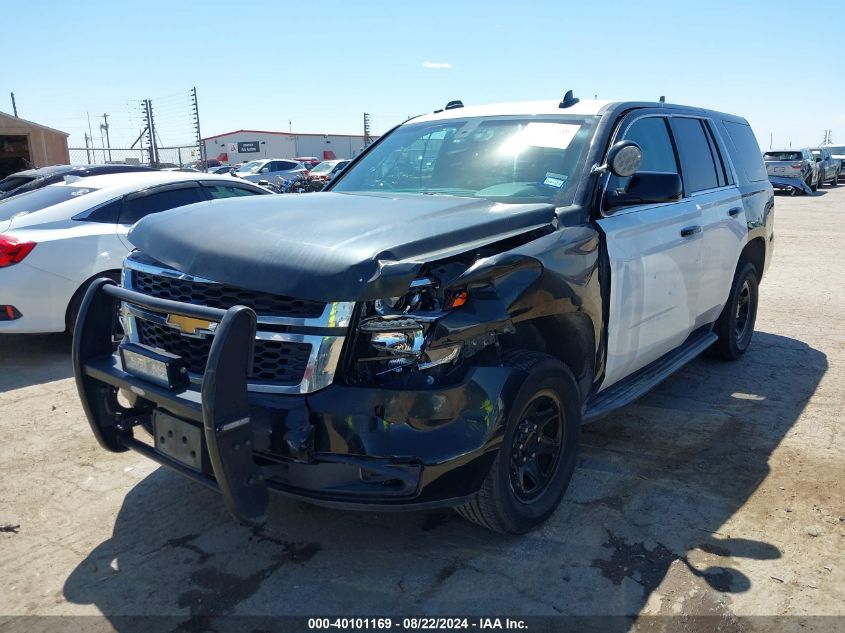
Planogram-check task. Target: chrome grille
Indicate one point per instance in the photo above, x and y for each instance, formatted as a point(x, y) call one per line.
point(282, 362)
point(222, 296)
point(290, 358)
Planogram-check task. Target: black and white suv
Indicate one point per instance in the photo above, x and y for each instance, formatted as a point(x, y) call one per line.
point(434, 329)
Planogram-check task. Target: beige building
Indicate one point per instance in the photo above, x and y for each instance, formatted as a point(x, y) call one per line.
point(25, 145)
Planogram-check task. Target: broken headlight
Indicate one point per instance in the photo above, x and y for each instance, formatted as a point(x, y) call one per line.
point(394, 334)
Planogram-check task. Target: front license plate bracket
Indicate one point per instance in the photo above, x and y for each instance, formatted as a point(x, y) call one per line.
point(179, 440)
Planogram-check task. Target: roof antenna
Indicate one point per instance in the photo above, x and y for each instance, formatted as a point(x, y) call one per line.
point(454, 104)
point(662, 100)
point(568, 100)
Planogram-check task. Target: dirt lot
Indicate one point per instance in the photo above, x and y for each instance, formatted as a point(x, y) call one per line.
point(720, 493)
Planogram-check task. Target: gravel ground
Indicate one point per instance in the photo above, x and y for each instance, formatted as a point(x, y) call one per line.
point(720, 493)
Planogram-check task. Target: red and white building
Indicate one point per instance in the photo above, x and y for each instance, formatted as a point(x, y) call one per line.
point(245, 145)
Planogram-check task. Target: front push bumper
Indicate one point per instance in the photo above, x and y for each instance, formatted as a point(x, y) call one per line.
point(364, 448)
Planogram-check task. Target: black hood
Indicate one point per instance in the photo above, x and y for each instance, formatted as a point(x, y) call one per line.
point(327, 246)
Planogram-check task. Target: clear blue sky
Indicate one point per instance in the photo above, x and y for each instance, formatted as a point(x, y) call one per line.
point(321, 65)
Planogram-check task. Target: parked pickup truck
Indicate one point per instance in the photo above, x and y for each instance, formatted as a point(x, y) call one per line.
point(793, 164)
point(435, 327)
point(829, 166)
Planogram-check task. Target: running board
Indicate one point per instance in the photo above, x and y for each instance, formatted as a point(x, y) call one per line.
point(639, 383)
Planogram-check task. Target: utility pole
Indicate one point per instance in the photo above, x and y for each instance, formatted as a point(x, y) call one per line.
point(14, 106)
point(104, 127)
point(197, 125)
point(367, 138)
point(87, 153)
point(827, 137)
point(91, 134)
point(148, 116)
point(771, 139)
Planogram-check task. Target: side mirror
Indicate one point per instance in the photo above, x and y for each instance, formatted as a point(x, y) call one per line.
point(624, 159)
point(647, 187)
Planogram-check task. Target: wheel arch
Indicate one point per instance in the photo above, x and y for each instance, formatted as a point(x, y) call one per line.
point(76, 298)
point(569, 337)
point(755, 253)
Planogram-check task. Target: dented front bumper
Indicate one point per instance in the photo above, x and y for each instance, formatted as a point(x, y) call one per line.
point(341, 446)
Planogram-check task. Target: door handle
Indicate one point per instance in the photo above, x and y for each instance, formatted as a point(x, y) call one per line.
point(690, 231)
point(734, 212)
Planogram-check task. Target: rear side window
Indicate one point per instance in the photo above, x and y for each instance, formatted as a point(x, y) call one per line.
point(137, 208)
point(698, 166)
point(746, 152)
point(108, 213)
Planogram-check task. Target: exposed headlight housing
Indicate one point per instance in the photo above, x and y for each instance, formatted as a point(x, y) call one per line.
point(394, 333)
point(399, 343)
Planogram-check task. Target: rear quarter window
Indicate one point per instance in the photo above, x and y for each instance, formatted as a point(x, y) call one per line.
point(745, 151)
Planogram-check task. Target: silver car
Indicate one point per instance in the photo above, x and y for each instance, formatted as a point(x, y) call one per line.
point(838, 153)
point(828, 165)
point(270, 169)
point(793, 163)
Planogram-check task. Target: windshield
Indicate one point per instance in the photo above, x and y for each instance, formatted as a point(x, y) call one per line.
point(506, 159)
point(836, 149)
point(324, 167)
point(251, 167)
point(782, 156)
point(39, 199)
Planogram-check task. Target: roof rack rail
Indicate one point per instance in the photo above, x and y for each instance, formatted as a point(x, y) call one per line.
point(568, 100)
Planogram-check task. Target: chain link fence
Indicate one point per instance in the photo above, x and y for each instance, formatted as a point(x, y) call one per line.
point(181, 156)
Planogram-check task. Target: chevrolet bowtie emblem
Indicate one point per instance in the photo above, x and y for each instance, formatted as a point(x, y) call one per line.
point(189, 325)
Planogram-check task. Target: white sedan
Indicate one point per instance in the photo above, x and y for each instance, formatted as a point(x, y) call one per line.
point(54, 241)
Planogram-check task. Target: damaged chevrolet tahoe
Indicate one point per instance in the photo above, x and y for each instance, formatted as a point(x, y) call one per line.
point(433, 328)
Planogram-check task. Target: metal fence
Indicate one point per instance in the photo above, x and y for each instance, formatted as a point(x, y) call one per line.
point(167, 156)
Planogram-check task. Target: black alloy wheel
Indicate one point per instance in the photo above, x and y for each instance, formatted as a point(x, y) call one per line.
point(735, 326)
point(539, 448)
point(742, 319)
point(535, 448)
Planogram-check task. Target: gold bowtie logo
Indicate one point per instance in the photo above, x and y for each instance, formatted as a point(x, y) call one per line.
point(189, 325)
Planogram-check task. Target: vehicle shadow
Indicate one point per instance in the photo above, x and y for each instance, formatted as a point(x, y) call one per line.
point(655, 483)
point(33, 359)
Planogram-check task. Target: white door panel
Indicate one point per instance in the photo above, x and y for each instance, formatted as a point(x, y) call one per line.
point(654, 284)
point(724, 236)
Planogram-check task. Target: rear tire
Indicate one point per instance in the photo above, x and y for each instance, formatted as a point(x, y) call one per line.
point(76, 301)
point(813, 186)
point(535, 463)
point(735, 325)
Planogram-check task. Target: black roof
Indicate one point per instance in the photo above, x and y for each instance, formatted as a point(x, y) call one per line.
point(79, 170)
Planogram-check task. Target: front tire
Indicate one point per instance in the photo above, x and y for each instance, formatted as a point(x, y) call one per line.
point(735, 325)
point(535, 463)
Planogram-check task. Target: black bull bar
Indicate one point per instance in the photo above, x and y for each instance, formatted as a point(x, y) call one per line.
point(221, 406)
